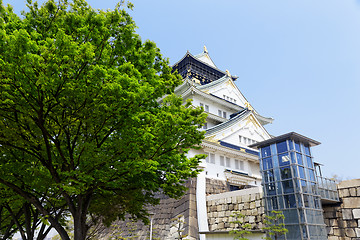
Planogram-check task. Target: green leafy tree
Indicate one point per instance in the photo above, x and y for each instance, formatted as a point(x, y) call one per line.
point(82, 127)
point(241, 228)
point(17, 215)
point(274, 225)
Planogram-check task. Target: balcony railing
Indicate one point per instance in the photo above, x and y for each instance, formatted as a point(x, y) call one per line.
point(327, 189)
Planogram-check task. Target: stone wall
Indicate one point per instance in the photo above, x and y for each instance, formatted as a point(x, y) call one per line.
point(166, 219)
point(343, 219)
point(249, 202)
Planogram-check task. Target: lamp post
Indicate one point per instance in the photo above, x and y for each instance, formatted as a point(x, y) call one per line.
point(151, 224)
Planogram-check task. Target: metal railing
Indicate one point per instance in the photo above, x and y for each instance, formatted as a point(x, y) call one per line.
point(327, 189)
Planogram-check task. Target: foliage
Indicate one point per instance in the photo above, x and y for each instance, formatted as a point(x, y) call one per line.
point(17, 215)
point(241, 228)
point(275, 226)
point(82, 130)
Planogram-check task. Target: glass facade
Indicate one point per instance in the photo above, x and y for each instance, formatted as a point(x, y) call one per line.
point(290, 186)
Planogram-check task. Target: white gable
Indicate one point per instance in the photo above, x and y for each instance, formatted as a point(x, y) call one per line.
point(242, 132)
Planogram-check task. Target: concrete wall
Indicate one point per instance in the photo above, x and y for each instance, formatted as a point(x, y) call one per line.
point(343, 219)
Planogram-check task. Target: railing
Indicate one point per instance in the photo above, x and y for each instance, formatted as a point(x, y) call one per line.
point(327, 189)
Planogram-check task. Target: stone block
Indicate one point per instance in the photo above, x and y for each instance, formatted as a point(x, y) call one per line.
point(347, 214)
point(357, 232)
point(241, 206)
point(352, 192)
point(220, 225)
point(349, 183)
point(258, 203)
point(336, 231)
point(252, 205)
point(246, 205)
point(350, 232)
point(218, 208)
point(333, 222)
point(252, 197)
point(356, 213)
point(251, 219)
point(351, 202)
point(344, 192)
point(351, 224)
point(358, 191)
point(333, 238)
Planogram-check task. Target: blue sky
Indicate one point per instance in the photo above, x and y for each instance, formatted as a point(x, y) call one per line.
point(297, 61)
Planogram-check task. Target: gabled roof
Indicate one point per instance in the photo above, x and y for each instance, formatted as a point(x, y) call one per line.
point(200, 66)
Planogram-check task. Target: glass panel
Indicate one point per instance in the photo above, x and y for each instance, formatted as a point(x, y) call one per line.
point(295, 173)
point(278, 188)
point(303, 186)
point(270, 188)
point(307, 201)
point(281, 147)
point(302, 215)
point(309, 162)
point(272, 203)
point(288, 186)
point(267, 163)
point(311, 174)
point(284, 159)
point(304, 231)
point(307, 150)
point(291, 144)
point(268, 176)
point(291, 216)
point(289, 201)
point(265, 152)
point(294, 232)
point(297, 146)
point(301, 172)
point(293, 159)
point(299, 159)
point(285, 173)
point(299, 200)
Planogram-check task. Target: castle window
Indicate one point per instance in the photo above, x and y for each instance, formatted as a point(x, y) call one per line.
point(207, 157)
point(228, 164)
point(206, 108)
point(219, 113)
point(222, 162)
point(212, 158)
point(224, 114)
point(205, 126)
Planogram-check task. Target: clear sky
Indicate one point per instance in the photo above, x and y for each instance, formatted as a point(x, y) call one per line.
point(297, 61)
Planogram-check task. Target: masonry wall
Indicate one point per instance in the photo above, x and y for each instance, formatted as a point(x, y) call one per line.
point(343, 219)
point(220, 207)
point(168, 217)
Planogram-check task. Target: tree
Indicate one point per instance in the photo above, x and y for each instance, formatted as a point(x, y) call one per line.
point(241, 228)
point(274, 225)
point(83, 129)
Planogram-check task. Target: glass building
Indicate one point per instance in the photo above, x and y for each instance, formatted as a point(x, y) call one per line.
point(290, 184)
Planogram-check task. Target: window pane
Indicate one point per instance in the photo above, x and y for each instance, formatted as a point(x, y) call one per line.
point(297, 146)
point(265, 152)
point(228, 162)
point(242, 165)
point(299, 159)
point(222, 163)
point(219, 113)
point(311, 175)
point(288, 186)
point(307, 150)
point(270, 188)
point(291, 144)
point(267, 163)
point(268, 176)
point(281, 147)
point(237, 164)
point(206, 108)
point(285, 173)
point(304, 186)
point(212, 158)
point(284, 159)
point(309, 162)
point(289, 201)
point(207, 157)
point(224, 114)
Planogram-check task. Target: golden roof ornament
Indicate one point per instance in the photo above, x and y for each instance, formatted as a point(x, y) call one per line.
point(205, 49)
point(248, 106)
point(228, 73)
